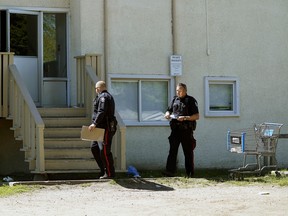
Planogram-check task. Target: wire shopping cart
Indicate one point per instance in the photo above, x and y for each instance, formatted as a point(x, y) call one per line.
point(260, 142)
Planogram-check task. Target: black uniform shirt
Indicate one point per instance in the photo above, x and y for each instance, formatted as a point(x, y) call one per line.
point(104, 109)
point(186, 106)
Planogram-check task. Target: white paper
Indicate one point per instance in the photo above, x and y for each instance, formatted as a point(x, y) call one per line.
point(173, 116)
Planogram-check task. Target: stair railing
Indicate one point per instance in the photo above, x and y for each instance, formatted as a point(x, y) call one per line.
point(6, 58)
point(86, 79)
point(27, 122)
point(92, 60)
point(119, 140)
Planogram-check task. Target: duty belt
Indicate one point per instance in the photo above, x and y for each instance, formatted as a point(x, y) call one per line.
point(183, 125)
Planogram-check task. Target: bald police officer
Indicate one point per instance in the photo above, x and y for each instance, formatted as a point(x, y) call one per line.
point(103, 117)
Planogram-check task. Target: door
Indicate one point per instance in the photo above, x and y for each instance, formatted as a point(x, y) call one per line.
point(55, 82)
point(23, 39)
point(39, 41)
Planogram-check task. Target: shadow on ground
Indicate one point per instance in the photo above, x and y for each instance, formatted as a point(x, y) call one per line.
point(142, 184)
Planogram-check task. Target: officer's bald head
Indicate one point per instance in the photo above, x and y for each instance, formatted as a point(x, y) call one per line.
point(100, 84)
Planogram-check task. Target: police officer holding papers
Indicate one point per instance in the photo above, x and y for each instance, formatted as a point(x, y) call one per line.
point(103, 117)
point(183, 113)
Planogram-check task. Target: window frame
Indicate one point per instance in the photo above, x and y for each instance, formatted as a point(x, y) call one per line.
point(132, 77)
point(221, 80)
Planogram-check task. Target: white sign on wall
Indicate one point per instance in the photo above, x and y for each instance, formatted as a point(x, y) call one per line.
point(176, 65)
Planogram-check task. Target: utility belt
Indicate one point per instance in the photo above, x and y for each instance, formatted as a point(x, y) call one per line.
point(112, 124)
point(185, 125)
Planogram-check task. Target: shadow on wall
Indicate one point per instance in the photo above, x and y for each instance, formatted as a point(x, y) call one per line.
point(11, 158)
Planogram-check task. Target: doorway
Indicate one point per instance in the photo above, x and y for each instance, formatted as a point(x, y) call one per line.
point(55, 82)
point(23, 40)
point(39, 41)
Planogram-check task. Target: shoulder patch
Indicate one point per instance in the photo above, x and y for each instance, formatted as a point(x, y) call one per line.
point(102, 99)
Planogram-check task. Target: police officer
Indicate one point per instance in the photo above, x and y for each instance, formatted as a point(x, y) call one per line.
point(103, 117)
point(183, 112)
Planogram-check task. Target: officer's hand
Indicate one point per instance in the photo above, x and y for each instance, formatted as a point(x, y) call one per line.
point(181, 118)
point(91, 127)
point(167, 115)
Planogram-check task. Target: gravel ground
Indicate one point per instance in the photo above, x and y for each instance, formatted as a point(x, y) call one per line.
point(148, 197)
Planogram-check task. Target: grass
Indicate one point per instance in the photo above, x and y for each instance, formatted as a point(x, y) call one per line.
point(205, 177)
point(6, 190)
point(214, 176)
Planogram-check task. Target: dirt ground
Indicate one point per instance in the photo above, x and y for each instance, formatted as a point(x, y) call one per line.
point(148, 197)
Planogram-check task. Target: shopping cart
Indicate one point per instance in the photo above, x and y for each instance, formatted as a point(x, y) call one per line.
point(259, 142)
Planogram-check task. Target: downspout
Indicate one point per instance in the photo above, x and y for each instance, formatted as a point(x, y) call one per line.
point(174, 47)
point(207, 29)
point(174, 33)
point(105, 21)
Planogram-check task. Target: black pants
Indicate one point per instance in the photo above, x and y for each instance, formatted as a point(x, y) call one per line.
point(103, 155)
point(186, 138)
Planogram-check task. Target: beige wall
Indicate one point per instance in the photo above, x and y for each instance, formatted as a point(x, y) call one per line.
point(246, 38)
point(86, 33)
point(139, 36)
point(36, 3)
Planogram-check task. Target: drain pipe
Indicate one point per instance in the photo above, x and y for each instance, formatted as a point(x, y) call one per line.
point(174, 33)
point(207, 29)
point(105, 23)
point(173, 30)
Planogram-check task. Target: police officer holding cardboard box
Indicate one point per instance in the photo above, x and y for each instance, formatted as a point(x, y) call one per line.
point(183, 113)
point(103, 117)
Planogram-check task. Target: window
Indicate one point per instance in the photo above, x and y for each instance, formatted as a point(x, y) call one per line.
point(141, 101)
point(22, 36)
point(54, 45)
point(221, 96)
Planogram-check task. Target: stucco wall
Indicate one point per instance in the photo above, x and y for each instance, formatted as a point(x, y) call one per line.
point(247, 39)
point(149, 152)
point(36, 3)
point(139, 36)
point(86, 34)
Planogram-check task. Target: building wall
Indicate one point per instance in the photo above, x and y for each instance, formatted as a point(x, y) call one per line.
point(139, 36)
point(246, 39)
point(86, 34)
point(36, 3)
point(147, 147)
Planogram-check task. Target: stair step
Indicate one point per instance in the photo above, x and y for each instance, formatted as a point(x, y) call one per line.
point(66, 142)
point(62, 112)
point(68, 153)
point(94, 172)
point(64, 150)
point(70, 164)
point(62, 132)
point(65, 122)
point(73, 171)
